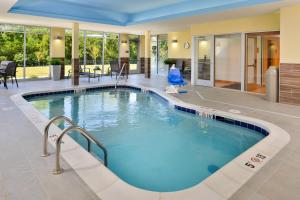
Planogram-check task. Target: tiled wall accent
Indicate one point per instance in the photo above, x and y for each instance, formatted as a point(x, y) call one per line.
point(125, 60)
point(62, 72)
point(289, 83)
point(146, 66)
point(142, 65)
point(75, 76)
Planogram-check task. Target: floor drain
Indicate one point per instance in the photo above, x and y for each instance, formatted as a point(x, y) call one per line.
point(234, 111)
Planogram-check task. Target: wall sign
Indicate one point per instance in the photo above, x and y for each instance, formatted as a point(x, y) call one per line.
point(186, 45)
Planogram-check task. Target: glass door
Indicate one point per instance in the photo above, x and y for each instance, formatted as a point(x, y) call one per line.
point(159, 52)
point(262, 51)
point(204, 60)
point(251, 63)
point(134, 54)
point(162, 47)
point(154, 53)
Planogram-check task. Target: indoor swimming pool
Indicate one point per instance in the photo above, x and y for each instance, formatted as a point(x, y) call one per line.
point(151, 144)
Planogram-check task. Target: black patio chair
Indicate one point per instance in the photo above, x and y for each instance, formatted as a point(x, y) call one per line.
point(84, 71)
point(114, 68)
point(8, 70)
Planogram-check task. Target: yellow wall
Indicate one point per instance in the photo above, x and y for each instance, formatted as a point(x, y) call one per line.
point(75, 41)
point(147, 44)
point(177, 50)
point(124, 47)
point(269, 22)
point(57, 47)
point(290, 35)
point(142, 46)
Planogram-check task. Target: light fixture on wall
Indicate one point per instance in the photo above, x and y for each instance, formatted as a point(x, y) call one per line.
point(174, 41)
point(57, 37)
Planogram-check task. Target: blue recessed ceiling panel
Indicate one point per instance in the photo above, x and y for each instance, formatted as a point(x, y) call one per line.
point(126, 12)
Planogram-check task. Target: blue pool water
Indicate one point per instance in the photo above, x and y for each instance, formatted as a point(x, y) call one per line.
point(150, 144)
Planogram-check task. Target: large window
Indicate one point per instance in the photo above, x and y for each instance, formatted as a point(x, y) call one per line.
point(68, 47)
point(162, 54)
point(111, 49)
point(134, 41)
point(28, 46)
point(68, 50)
point(96, 49)
point(159, 47)
point(154, 54)
point(37, 52)
point(12, 46)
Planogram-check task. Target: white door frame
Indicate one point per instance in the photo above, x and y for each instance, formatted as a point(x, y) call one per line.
point(243, 60)
point(193, 60)
point(194, 74)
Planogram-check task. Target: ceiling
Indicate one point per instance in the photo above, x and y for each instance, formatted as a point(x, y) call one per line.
point(126, 12)
point(132, 16)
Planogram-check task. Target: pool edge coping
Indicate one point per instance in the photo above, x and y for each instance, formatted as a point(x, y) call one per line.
point(220, 185)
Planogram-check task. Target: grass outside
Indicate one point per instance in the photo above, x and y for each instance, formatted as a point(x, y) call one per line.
point(44, 71)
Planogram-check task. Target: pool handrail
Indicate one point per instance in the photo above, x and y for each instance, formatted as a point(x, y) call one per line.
point(83, 132)
point(120, 73)
point(46, 131)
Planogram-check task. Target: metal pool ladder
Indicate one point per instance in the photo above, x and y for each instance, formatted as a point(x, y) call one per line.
point(120, 73)
point(72, 127)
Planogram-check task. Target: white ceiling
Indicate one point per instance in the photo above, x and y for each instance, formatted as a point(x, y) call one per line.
point(163, 26)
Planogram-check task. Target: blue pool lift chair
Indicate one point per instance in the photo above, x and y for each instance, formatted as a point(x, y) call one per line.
point(175, 77)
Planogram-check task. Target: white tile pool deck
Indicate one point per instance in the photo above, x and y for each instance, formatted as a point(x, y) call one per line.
point(279, 179)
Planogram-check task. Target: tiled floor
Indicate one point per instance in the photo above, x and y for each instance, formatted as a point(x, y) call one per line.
point(24, 175)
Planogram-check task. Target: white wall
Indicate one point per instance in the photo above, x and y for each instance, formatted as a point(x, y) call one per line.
point(228, 58)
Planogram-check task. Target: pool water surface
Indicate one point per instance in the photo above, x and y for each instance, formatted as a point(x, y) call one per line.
point(150, 144)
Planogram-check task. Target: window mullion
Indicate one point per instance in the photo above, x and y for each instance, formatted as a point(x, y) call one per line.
point(24, 54)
